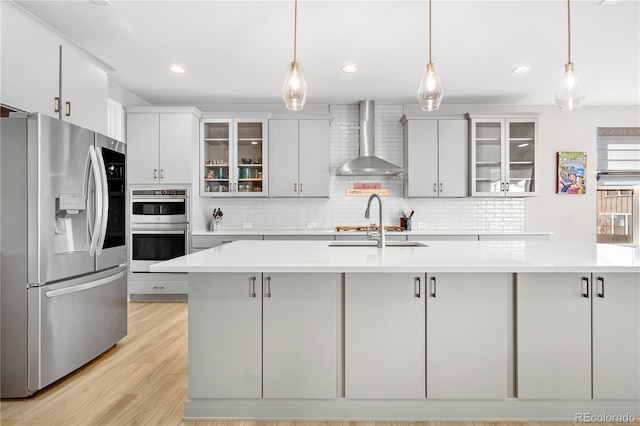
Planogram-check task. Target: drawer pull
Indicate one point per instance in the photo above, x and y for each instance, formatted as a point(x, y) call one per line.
point(158, 287)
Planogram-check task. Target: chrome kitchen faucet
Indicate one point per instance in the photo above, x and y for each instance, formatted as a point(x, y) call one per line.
point(379, 236)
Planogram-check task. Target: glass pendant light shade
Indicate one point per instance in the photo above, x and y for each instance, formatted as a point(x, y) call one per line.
point(570, 92)
point(294, 90)
point(430, 91)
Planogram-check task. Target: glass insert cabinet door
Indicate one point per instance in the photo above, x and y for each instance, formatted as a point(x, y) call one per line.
point(521, 157)
point(233, 158)
point(503, 156)
point(487, 165)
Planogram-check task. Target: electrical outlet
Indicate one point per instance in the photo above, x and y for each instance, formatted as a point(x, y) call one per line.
point(422, 225)
point(246, 225)
point(311, 225)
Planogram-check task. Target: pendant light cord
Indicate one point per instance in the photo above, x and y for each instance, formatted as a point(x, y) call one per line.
point(568, 30)
point(429, 31)
point(295, 29)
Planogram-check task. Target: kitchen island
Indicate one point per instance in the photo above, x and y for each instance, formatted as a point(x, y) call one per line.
point(448, 330)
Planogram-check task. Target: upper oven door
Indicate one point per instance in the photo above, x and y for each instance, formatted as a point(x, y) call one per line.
point(159, 210)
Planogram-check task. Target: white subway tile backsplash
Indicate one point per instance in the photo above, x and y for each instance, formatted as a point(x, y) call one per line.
point(438, 214)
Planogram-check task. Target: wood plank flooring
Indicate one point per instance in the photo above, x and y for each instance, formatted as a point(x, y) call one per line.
point(143, 381)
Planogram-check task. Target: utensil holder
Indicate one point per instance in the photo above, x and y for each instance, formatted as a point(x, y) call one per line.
point(405, 223)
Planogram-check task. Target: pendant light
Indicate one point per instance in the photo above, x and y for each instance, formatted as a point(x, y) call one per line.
point(570, 93)
point(430, 92)
point(294, 90)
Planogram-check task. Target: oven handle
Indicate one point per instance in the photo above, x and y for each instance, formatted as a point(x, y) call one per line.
point(159, 199)
point(158, 231)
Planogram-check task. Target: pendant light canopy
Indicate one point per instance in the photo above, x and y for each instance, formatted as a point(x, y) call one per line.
point(430, 92)
point(294, 90)
point(570, 93)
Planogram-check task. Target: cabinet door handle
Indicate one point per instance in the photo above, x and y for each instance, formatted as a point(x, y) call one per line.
point(585, 281)
point(68, 113)
point(300, 186)
point(433, 287)
point(155, 174)
point(267, 292)
point(501, 186)
point(161, 173)
point(601, 281)
point(57, 106)
point(252, 291)
point(435, 187)
point(507, 186)
point(417, 282)
point(295, 187)
point(441, 187)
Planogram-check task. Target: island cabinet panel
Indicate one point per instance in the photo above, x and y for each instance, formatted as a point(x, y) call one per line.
point(579, 336)
point(384, 335)
point(616, 336)
point(300, 314)
point(554, 336)
point(225, 335)
point(467, 318)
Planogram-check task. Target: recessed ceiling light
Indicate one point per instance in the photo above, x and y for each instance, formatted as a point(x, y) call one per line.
point(349, 68)
point(177, 69)
point(521, 69)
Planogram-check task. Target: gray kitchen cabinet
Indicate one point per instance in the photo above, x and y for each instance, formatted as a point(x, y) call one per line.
point(300, 314)
point(467, 335)
point(384, 326)
point(159, 147)
point(299, 158)
point(362, 236)
point(435, 157)
point(263, 335)
point(578, 336)
point(42, 72)
point(616, 336)
point(503, 155)
point(233, 157)
point(202, 242)
point(225, 335)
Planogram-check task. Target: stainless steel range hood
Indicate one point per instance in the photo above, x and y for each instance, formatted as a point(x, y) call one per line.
point(367, 163)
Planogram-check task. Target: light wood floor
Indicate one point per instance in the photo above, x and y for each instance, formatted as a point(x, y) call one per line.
point(141, 381)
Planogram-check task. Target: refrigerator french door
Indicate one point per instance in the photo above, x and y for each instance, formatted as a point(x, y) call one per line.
point(63, 262)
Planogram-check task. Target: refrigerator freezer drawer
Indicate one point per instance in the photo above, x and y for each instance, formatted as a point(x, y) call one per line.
point(76, 323)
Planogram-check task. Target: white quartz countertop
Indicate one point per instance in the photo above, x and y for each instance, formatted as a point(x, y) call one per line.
point(310, 232)
point(439, 256)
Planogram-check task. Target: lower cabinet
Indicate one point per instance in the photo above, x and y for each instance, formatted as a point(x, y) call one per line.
point(384, 336)
point(300, 323)
point(578, 336)
point(263, 335)
point(467, 336)
point(225, 335)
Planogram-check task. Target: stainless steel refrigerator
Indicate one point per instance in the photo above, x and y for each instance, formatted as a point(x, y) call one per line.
point(63, 255)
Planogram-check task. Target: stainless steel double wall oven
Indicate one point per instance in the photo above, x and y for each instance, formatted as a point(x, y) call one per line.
point(159, 226)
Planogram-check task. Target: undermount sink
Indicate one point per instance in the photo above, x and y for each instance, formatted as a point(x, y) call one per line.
point(374, 243)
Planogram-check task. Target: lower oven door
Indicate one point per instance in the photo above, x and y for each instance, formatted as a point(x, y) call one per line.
point(151, 246)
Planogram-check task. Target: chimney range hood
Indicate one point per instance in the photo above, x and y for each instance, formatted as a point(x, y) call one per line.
point(367, 164)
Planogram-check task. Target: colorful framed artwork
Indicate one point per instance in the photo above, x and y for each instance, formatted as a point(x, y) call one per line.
point(572, 177)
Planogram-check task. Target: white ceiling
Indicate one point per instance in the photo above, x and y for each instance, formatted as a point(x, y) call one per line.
point(237, 52)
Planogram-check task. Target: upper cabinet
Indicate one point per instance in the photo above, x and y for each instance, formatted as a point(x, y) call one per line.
point(436, 156)
point(41, 72)
point(159, 144)
point(233, 157)
point(299, 158)
point(503, 155)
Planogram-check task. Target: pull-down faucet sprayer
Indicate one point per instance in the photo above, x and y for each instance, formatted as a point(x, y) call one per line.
point(381, 239)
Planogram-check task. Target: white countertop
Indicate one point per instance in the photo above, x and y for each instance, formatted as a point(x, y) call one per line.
point(235, 232)
point(439, 256)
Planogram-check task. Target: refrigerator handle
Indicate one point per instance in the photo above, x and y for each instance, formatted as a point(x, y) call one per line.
point(105, 202)
point(98, 218)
